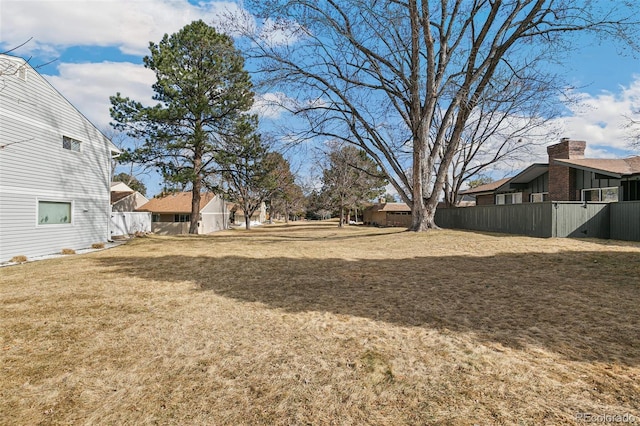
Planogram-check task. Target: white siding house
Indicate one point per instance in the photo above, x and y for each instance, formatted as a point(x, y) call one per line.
point(125, 199)
point(54, 168)
point(171, 213)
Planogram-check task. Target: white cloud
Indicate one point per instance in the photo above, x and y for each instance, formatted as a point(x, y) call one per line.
point(271, 105)
point(88, 86)
point(127, 24)
point(280, 32)
point(602, 120)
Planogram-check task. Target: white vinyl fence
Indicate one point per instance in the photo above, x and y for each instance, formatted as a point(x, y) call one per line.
point(128, 223)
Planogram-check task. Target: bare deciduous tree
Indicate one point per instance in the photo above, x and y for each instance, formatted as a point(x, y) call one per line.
point(12, 68)
point(506, 128)
point(288, 198)
point(350, 178)
point(402, 79)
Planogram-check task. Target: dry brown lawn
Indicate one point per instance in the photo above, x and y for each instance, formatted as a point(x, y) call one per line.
point(310, 324)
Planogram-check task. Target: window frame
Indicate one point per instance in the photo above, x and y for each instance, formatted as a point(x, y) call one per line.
point(600, 192)
point(181, 217)
point(545, 197)
point(511, 195)
point(71, 204)
point(74, 144)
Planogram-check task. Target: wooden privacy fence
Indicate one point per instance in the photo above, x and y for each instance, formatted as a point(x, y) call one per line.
point(619, 221)
point(625, 221)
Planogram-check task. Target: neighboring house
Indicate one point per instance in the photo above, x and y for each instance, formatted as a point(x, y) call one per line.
point(171, 213)
point(125, 199)
point(484, 194)
point(125, 220)
point(120, 187)
point(54, 168)
point(466, 201)
point(387, 214)
point(236, 215)
point(568, 176)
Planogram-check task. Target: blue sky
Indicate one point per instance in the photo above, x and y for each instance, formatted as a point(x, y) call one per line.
point(97, 47)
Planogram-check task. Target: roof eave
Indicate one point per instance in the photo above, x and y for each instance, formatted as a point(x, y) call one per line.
point(592, 169)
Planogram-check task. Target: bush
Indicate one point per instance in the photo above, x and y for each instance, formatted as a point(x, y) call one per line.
point(68, 251)
point(19, 259)
point(97, 245)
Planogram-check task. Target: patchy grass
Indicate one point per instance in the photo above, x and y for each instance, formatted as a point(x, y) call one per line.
point(311, 324)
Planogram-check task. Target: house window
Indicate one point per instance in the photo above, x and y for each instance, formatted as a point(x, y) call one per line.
point(538, 197)
point(631, 190)
point(511, 198)
point(155, 217)
point(607, 195)
point(182, 218)
point(54, 212)
point(70, 144)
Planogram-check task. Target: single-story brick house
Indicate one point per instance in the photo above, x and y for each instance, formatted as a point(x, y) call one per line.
point(568, 176)
point(387, 214)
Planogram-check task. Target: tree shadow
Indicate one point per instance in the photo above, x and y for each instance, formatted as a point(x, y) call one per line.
point(564, 302)
point(296, 233)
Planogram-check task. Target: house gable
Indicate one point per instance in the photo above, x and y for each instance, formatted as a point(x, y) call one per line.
point(127, 201)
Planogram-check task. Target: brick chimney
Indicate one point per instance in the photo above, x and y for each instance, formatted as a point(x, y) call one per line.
point(562, 179)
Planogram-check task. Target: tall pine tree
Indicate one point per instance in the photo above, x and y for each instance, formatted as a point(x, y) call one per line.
point(202, 89)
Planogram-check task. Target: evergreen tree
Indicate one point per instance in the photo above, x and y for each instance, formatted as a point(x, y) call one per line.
point(132, 182)
point(350, 179)
point(202, 89)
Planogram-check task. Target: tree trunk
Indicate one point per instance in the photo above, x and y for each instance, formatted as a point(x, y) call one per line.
point(286, 213)
point(341, 217)
point(197, 187)
point(423, 219)
point(247, 222)
point(195, 207)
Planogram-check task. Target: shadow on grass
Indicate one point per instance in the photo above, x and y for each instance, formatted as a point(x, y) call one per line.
point(582, 305)
point(279, 233)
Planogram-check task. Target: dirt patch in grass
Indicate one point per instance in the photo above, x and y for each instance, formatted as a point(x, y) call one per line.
point(311, 324)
